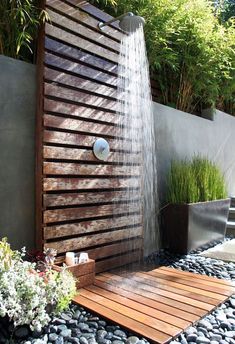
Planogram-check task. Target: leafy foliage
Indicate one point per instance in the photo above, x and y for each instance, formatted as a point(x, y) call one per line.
point(191, 53)
point(196, 180)
point(19, 23)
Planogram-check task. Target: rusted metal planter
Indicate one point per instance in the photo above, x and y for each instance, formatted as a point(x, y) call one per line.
point(189, 226)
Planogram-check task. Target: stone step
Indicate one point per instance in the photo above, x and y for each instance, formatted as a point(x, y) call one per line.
point(230, 229)
point(232, 201)
point(231, 213)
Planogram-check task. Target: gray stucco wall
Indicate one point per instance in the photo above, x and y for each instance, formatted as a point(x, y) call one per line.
point(181, 135)
point(17, 137)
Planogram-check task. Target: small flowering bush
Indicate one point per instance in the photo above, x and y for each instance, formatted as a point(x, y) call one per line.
point(28, 296)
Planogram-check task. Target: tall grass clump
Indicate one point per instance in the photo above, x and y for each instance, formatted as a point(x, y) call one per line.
point(195, 180)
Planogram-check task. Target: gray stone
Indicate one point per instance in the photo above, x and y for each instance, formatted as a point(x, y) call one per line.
point(206, 324)
point(22, 332)
point(230, 334)
point(120, 333)
point(83, 340)
point(61, 328)
point(202, 340)
point(74, 340)
point(103, 341)
point(102, 323)
point(59, 340)
point(192, 337)
point(58, 321)
point(53, 337)
point(118, 342)
point(101, 334)
point(93, 324)
point(92, 341)
point(132, 340)
point(191, 330)
point(66, 333)
point(77, 314)
point(215, 337)
point(88, 335)
point(65, 316)
point(83, 327)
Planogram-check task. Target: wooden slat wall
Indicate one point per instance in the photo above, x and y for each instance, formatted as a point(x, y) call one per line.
point(81, 202)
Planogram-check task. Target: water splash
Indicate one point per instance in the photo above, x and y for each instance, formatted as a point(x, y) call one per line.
point(137, 127)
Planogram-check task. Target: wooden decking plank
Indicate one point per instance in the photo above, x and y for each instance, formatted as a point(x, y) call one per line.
point(197, 276)
point(131, 313)
point(200, 282)
point(185, 297)
point(141, 307)
point(135, 326)
point(191, 310)
point(200, 294)
point(193, 284)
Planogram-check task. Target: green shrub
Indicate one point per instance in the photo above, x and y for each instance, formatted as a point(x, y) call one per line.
point(196, 180)
point(191, 52)
point(19, 23)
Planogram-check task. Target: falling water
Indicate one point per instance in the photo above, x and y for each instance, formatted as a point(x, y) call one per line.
point(137, 127)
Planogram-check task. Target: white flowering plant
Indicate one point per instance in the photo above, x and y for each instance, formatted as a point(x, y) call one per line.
point(28, 296)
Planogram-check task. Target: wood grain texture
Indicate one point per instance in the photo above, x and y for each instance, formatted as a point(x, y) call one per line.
point(122, 296)
point(83, 201)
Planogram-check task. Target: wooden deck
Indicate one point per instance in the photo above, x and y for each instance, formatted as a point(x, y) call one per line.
point(157, 304)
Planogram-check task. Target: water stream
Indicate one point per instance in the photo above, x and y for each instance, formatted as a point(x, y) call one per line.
point(137, 127)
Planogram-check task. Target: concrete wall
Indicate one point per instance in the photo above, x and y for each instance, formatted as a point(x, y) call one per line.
point(17, 137)
point(181, 135)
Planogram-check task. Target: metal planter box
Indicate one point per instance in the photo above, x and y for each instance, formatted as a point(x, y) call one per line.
point(189, 226)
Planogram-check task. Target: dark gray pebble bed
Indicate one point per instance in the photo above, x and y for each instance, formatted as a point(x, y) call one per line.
point(77, 325)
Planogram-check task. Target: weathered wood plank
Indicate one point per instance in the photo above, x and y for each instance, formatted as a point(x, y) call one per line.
point(80, 43)
point(91, 226)
point(80, 83)
point(73, 24)
point(200, 277)
point(79, 56)
point(68, 214)
point(85, 112)
point(78, 125)
point(165, 300)
point(78, 96)
point(56, 184)
point(58, 168)
point(156, 336)
point(140, 307)
point(61, 153)
point(81, 70)
point(83, 242)
point(79, 14)
point(168, 310)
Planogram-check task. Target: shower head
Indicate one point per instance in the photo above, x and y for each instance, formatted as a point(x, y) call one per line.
point(128, 22)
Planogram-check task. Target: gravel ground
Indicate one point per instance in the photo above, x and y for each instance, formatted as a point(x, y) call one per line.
point(79, 326)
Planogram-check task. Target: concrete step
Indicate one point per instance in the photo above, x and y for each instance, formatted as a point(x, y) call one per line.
point(232, 202)
point(231, 214)
point(230, 229)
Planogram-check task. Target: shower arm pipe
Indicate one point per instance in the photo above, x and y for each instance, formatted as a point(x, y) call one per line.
point(101, 25)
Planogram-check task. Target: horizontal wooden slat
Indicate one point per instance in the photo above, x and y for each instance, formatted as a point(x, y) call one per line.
point(60, 107)
point(57, 215)
point(86, 18)
point(81, 97)
point(78, 82)
point(79, 56)
point(123, 320)
point(133, 288)
point(56, 184)
point(145, 319)
point(94, 36)
point(200, 277)
point(204, 296)
point(80, 43)
point(79, 69)
point(192, 283)
point(89, 226)
point(179, 314)
point(76, 154)
point(80, 126)
point(167, 291)
point(87, 241)
point(114, 249)
point(140, 307)
point(58, 168)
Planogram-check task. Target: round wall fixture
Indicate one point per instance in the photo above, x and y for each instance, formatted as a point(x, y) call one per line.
point(101, 149)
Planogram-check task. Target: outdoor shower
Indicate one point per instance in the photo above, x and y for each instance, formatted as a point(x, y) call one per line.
point(128, 22)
